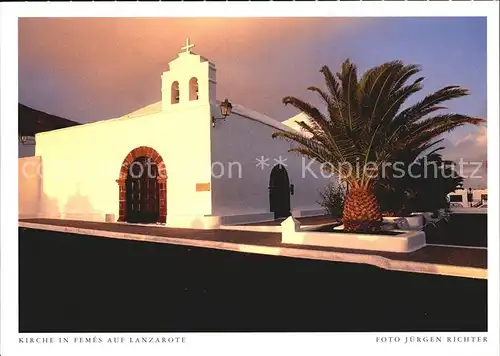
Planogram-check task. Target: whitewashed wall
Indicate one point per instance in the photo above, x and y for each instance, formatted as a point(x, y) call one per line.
point(240, 140)
point(81, 164)
point(30, 187)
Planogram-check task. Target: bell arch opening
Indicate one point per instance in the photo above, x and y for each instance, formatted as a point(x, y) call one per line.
point(193, 89)
point(175, 93)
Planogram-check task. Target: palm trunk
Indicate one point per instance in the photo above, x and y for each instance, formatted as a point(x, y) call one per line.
point(361, 210)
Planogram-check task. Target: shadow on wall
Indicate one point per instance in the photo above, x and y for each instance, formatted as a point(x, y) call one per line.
point(197, 224)
point(43, 206)
point(49, 207)
point(78, 207)
point(35, 203)
point(77, 204)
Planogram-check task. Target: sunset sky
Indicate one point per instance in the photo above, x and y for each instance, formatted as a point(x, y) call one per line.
point(94, 69)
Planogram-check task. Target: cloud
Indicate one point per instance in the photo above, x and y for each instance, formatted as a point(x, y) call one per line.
point(471, 149)
point(472, 146)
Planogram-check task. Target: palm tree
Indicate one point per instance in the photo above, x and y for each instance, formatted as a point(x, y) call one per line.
point(364, 125)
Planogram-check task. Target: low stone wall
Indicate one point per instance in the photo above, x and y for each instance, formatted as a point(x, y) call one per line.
point(407, 241)
point(311, 212)
point(469, 210)
point(246, 218)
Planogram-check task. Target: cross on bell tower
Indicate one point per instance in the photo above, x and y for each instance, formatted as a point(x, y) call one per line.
point(190, 81)
point(187, 47)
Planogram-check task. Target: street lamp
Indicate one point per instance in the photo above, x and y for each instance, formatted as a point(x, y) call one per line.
point(225, 110)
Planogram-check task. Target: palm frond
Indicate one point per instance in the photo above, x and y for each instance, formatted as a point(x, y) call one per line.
point(363, 119)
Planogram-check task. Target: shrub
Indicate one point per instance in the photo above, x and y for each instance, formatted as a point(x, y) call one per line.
point(427, 190)
point(332, 199)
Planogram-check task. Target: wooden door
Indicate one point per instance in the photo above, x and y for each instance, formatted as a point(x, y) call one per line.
point(279, 192)
point(142, 192)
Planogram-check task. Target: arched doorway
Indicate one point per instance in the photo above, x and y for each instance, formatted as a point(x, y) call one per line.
point(279, 192)
point(142, 187)
point(142, 191)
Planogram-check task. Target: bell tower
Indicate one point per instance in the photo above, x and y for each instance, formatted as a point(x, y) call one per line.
point(190, 81)
point(188, 89)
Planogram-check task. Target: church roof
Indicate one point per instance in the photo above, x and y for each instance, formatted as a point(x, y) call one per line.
point(292, 122)
point(146, 110)
point(257, 116)
point(240, 110)
point(156, 107)
point(32, 121)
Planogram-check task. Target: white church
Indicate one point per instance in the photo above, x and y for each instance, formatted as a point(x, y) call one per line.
point(187, 160)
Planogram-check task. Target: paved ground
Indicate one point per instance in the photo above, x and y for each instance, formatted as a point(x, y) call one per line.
point(73, 282)
point(440, 255)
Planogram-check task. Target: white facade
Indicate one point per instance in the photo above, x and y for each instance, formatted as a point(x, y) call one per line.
point(459, 197)
point(243, 189)
point(211, 173)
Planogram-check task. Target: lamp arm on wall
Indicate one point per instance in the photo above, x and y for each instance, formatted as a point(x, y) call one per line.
point(225, 108)
point(214, 120)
